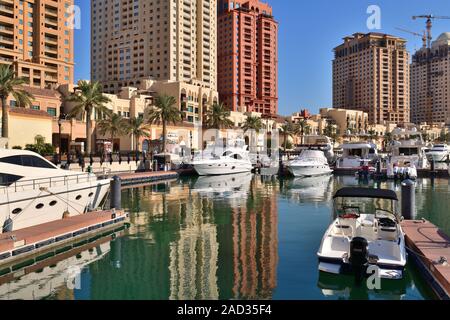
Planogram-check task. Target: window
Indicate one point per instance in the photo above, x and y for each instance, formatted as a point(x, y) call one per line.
point(8, 179)
point(27, 161)
point(51, 111)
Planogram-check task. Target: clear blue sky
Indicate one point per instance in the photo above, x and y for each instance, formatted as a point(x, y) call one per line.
point(309, 30)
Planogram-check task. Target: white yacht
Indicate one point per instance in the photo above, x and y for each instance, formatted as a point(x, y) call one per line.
point(322, 143)
point(438, 153)
point(357, 154)
point(366, 232)
point(407, 154)
point(34, 191)
point(231, 160)
point(310, 163)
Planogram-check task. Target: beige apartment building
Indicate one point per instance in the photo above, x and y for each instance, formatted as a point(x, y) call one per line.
point(169, 40)
point(161, 46)
point(430, 76)
point(371, 74)
point(36, 37)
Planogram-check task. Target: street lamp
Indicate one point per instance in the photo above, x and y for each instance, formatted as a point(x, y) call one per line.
point(60, 122)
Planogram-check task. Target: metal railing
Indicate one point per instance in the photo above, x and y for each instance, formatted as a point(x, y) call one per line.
point(34, 184)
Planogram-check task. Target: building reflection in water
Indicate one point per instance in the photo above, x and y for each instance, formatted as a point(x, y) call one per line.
point(223, 231)
point(255, 243)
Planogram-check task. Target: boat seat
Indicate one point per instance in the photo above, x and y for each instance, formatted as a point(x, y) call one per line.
point(389, 234)
point(345, 227)
point(367, 220)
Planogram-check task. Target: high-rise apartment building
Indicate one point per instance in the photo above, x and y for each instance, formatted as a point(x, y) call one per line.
point(165, 40)
point(248, 56)
point(430, 78)
point(371, 74)
point(36, 37)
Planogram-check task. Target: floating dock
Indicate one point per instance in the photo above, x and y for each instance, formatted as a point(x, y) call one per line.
point(430, 249)
point(139, 178)
point(421, 173)
point(23, 243)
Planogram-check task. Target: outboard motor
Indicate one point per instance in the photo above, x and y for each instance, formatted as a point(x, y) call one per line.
point(359, 256)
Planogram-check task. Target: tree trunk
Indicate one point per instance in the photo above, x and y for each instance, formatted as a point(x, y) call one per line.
point(88, 132)
point(164, 136)
point(4, 118)
point(112, 142)
point(285, 142)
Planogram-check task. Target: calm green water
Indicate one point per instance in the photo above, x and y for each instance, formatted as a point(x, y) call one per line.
point(237, 237)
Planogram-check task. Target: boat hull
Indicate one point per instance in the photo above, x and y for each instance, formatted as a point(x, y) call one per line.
point(36, 206)
point(384, 272)
point(309, 171)
point(437, 156)
point(223, 168)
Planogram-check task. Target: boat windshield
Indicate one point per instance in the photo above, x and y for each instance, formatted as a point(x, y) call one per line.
point(381, 208)
point(408, 151)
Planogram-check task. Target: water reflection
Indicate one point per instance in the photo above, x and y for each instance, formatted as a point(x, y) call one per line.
point(313, 189)
point(228, 237)
point(65, 269)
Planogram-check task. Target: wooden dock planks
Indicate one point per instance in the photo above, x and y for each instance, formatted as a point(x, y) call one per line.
point(430, 244)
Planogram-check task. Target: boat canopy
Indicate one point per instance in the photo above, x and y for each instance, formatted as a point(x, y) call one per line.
point(366, 193)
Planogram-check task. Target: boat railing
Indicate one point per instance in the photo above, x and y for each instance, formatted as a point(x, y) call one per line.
point(35, 184)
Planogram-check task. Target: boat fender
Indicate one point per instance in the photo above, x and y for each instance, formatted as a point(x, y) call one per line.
point(66, 215)
point(7, 226)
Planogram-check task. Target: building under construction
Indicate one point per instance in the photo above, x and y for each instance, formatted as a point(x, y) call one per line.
point(430, 76)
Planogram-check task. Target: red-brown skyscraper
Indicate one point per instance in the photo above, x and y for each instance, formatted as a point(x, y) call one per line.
point(247, 56)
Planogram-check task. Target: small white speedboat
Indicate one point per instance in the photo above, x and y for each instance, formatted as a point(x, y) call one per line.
point(310, 163)
point(366, 232)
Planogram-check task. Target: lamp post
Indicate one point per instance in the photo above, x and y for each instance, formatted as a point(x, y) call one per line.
point(60, 122)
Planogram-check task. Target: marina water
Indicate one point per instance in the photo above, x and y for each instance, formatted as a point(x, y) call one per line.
point(230, 237)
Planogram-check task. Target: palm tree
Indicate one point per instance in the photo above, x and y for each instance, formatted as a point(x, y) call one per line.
point(138, 128)
point(329, 130)
point(115, 126)
point(289, 129)
point(88, 97)
point(387, 139)
point(254, 124)
point(372, 134)
point(304, 128)
point(163, 112)
point(218, 117)
point(10, 84)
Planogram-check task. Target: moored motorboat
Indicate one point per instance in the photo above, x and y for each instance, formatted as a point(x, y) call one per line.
point(438, 153)
point(407, 154)
point(365, 233)
point(34, 191)
point(231, 161)
point(310, 163)
point(357, 154)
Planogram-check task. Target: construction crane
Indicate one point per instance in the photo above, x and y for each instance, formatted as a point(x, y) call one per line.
point(430, 93)
point(429, 24)
point(423, 36)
